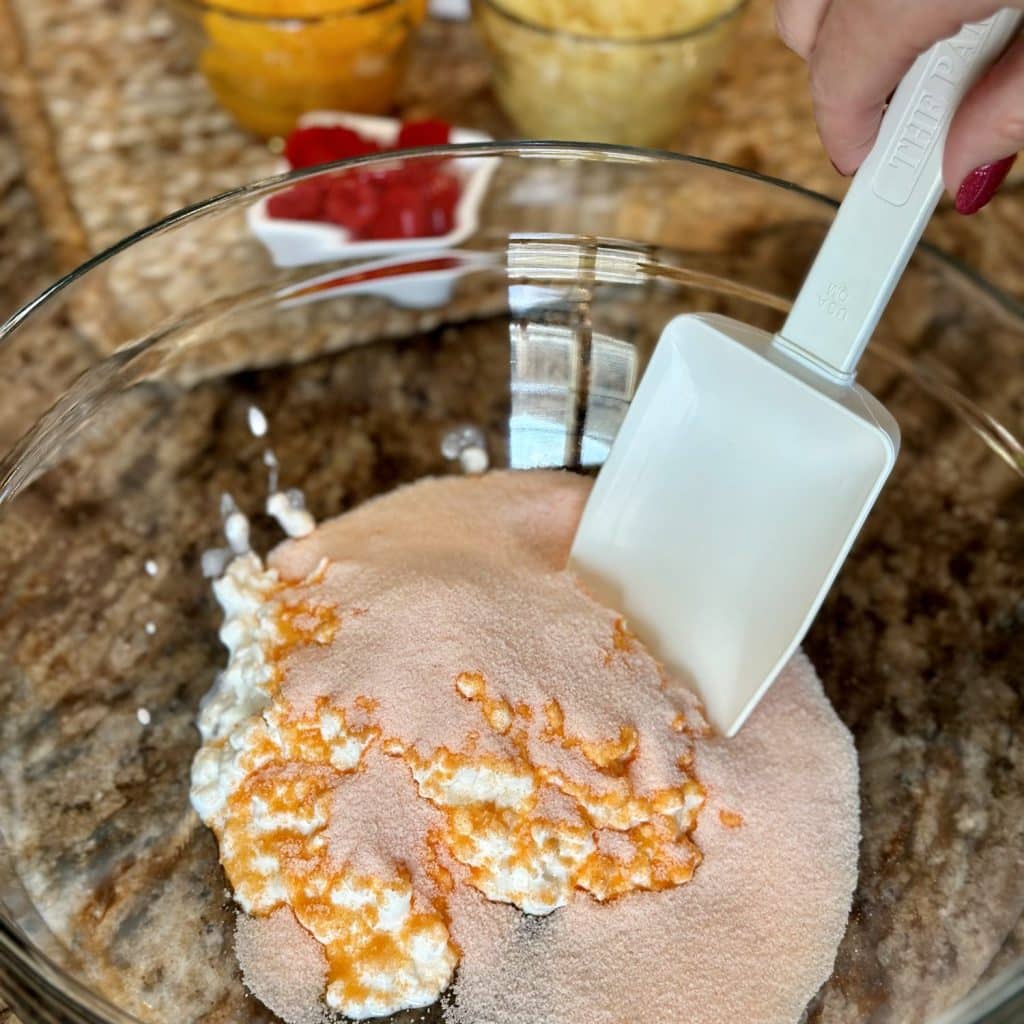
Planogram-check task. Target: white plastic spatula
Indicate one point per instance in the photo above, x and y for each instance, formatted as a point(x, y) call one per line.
point(747, 463)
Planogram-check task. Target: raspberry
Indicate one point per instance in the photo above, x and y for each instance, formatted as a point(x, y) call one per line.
point(423, 133)
point(353, 202)
point(322, 144)
point(403, 214)
point(442, 192)
point(304, 201)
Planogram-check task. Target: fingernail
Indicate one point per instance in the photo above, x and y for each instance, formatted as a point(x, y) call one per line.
point(982, 184)
point(835, 167)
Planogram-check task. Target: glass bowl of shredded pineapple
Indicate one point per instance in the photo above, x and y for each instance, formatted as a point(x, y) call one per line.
point(603, 70)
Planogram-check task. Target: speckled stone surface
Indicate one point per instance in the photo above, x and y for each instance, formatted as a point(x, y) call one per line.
point(921, 643)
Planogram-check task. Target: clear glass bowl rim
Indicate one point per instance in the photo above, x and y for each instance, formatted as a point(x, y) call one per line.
point(539, 149)
point(34, 969)
point(200, 8)
point(612, 41)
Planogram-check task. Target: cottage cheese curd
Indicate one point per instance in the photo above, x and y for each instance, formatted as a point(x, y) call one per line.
point(506, 781)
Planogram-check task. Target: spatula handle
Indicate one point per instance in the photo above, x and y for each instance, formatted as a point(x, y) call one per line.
point(888, 204)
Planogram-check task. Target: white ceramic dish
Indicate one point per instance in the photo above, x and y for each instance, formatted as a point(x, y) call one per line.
point(297, 243)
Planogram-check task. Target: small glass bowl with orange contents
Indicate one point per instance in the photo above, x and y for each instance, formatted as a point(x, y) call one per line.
point(270, 61)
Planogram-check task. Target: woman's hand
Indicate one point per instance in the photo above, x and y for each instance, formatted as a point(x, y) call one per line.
point(858, 50)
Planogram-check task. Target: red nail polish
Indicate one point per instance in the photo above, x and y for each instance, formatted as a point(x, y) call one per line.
point(982, 184)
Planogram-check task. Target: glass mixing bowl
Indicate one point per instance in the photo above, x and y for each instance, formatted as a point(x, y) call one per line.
point(522, 332)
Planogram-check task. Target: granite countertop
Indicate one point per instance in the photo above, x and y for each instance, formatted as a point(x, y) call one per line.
point(75, 177)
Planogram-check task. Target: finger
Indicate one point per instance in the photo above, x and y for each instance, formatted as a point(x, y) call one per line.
point(990, 122)
point(863, 49)
point(798, 21)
